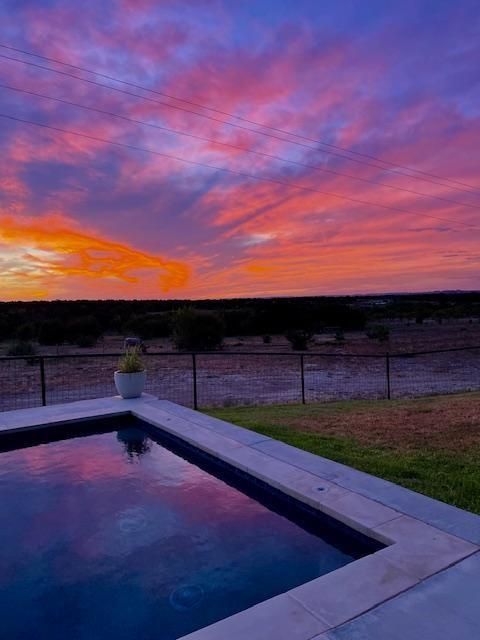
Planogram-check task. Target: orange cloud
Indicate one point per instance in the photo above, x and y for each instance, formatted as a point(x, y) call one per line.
point(300, 243)
point(42, 256)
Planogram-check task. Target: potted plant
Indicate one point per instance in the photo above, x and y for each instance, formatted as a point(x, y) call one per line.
point(131, 374)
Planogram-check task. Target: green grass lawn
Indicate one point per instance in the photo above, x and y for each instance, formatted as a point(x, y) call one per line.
point(430, 445)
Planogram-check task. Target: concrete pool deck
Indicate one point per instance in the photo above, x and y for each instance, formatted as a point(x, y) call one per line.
point(424, 585)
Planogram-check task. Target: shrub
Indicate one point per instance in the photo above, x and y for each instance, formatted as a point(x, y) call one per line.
point(195, 330)
point(131, 361)
point(299, 339)
point(378, 332)
point(339, 336)
point(22, 348)
point(84, 342)
point(267, 339)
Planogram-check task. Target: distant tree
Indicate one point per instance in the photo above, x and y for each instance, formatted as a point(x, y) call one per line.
point(299, 338)
point(51, 332)
point(25, 332)
point(240, 322)
point(83, 331)
point(155, 325)
point(343, 316)
point(8, 326)
point(195, 330)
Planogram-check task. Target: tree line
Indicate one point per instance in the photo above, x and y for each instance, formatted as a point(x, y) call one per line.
point(83, 322)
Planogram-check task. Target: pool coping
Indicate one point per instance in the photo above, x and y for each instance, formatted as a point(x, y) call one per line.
point(415, 551)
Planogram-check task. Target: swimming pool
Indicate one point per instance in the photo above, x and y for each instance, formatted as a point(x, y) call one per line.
point(118, 531)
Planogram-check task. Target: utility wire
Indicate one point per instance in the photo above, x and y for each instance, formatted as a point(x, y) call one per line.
point(231, 124)
point(232, 146)
point(232, 115)
point(231, 171)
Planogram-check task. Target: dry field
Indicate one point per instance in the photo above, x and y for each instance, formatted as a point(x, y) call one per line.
point(441, 423)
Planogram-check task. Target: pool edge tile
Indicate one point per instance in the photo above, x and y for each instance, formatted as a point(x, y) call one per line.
point(279, 618)
point(363, 584)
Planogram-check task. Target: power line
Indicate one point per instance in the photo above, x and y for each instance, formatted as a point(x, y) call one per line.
point(232, 171)
point(232, 146)
point(231, 124)
point(241, 118)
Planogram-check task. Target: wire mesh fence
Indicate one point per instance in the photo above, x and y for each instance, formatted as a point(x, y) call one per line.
point(350, 377)
point(248, 378)
point(435, 372)
point(72, 378)
point(242, 378)
point(170, 376)
point(20, 383)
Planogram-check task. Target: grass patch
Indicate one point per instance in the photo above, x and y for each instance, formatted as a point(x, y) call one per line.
point(430, 445)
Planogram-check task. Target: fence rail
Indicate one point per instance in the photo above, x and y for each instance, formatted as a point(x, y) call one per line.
point(227, 378)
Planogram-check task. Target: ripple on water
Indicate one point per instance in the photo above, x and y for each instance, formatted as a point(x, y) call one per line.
point(186, 597)
point(132, 520)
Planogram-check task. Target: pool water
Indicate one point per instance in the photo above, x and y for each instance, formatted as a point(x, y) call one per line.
point(112, 535)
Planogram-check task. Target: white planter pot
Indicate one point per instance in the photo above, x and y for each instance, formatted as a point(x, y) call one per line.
point(130, 385)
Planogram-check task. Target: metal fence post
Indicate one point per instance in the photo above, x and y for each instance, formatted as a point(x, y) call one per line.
point(194, 372)
point(302, 373)
point(387, 363)
point(42, 381)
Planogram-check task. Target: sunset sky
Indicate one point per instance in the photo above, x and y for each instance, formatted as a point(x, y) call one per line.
point(378, 93)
